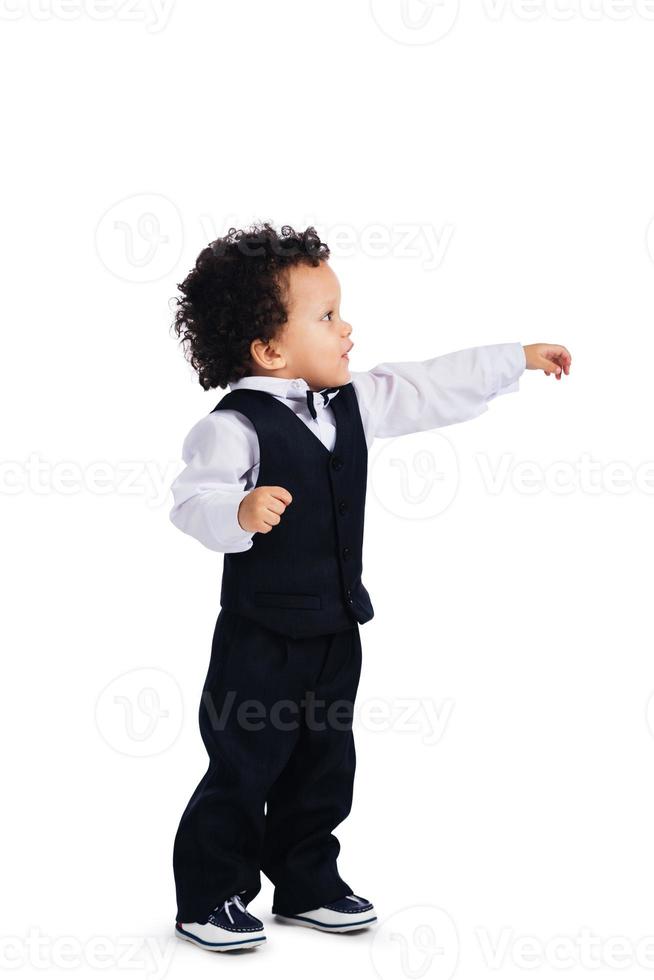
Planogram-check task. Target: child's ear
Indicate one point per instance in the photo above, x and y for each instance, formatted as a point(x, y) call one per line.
point(263, 354)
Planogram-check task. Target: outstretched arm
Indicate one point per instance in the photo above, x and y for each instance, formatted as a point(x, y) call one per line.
point(396, 398)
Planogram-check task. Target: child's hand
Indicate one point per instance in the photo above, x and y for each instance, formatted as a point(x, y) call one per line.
point(552, 358)
point(262, 507)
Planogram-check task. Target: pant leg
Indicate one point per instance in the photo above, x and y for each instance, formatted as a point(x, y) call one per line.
point(313, 794)
point(218, 844)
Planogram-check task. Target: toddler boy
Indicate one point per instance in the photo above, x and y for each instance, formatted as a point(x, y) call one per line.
point(275, 479)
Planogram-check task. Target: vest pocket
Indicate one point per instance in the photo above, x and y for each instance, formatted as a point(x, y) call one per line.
point(284, 600)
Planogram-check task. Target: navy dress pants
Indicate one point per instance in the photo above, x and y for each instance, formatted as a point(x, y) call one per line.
point(276, 720)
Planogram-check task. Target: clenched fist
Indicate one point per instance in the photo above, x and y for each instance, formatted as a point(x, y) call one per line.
point(552, 358)
point(262, 508)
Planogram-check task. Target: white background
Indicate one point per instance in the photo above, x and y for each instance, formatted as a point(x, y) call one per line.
point(519, 138)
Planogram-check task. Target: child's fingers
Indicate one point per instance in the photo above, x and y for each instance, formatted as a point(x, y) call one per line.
point(275, 504)
point(281, 493)
point(551, 367)
point(560, 355)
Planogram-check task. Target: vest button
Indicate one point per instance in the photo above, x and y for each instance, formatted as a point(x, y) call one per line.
point(346, 552)
point(337, 463)
point(342, 507)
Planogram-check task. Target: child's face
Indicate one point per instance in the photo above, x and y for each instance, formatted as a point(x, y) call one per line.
point(314, 340)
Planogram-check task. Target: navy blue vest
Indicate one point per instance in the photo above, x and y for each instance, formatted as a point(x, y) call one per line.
point(303, 578)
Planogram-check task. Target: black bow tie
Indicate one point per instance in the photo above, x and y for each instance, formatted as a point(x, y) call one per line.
point(325, 392)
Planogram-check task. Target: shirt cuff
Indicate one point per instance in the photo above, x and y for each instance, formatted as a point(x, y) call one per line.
point(211, 518)
point(509, 369)
point(223, 516)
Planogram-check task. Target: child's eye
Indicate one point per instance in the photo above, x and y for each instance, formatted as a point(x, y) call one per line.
point(331, 313)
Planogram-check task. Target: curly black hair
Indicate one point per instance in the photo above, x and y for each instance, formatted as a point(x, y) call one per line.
point(235, 294)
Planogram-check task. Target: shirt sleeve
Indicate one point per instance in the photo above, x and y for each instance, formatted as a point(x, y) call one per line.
point(396, 398)
point(219, 453)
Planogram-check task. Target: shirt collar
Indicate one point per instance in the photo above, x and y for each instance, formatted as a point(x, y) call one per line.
point(291, 388)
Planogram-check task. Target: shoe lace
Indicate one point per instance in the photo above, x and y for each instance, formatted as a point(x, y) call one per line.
point(234, 900)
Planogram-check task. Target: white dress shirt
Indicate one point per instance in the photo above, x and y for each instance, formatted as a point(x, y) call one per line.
point(221, 451)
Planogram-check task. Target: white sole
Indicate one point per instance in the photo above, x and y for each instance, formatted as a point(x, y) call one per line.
point(300, 920)
point(223, 947)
